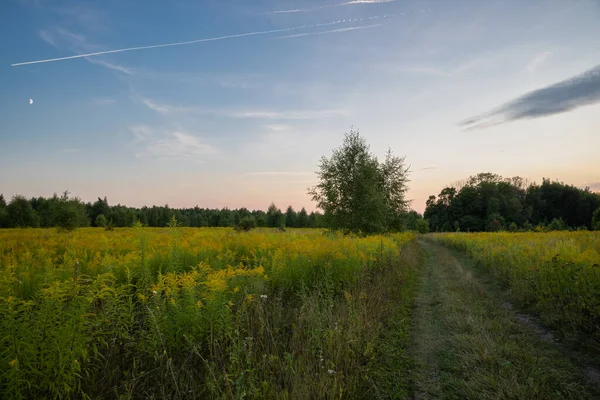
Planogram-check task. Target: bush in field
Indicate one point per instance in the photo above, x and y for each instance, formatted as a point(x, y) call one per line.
point(247, 223)
point(495, 223)
point(110, 225)
point(69, 213)
point(422, 226)
point(557, 224)
point(596, 220)
point(101, 221)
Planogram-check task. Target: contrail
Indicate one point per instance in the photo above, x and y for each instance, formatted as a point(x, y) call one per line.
point(99, 53)
point(331, 31)
point(348, 3)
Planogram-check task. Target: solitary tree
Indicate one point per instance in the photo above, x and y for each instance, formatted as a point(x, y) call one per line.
point(359, 194)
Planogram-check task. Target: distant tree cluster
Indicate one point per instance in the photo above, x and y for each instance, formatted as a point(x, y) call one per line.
point(70, 212)
point(489, 202)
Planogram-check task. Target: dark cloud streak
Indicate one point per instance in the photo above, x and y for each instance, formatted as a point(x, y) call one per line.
point(564, 96)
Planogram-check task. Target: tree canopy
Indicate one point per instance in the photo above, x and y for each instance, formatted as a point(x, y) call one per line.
point(69, 213)
point(357, 193)
point(489, 202)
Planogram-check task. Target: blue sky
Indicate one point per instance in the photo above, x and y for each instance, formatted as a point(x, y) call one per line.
point(458, 87)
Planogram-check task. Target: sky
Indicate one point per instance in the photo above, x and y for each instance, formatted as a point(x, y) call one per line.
point(238, 106)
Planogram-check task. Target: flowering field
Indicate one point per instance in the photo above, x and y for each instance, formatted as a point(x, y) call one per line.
point(179, 312)
point(557, 273)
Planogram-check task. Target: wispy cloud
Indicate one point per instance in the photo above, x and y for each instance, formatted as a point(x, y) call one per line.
point(141, 133)
point(278, 127)
point(348, 3)
point(73, 12)
point(114, 67)
point(63, 38)
point(278, 173)
point(170, 144)
point(70, 150)
point(239, 113)
point(564, 96)
point(414, 69)
point(537, 62)
point(48, 38)
point(354, 28)
point(428, 168)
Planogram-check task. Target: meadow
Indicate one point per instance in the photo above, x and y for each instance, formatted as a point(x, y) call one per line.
point(195, 312)
point(555, 274)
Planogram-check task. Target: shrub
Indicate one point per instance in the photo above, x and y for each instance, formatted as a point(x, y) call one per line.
point(247, 223)
point(557, 224)
point(596, 220)
point(422, 226)
point(101, 221)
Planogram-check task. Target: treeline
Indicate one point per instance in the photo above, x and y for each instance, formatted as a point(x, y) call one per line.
point(489, 202)
point(70, 212)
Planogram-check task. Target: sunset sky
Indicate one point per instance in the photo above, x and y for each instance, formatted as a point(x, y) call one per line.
point(242, 119)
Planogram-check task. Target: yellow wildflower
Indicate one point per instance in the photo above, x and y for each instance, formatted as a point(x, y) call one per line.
point(347, 296)
point(236, 289)
point(13, 363)
point(250, 298)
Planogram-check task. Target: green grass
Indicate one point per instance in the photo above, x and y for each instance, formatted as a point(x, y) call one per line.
point(468, 346)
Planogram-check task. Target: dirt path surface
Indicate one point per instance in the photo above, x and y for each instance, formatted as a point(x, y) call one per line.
point(467, 344)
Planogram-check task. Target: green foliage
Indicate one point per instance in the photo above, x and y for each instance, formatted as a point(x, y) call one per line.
point(21, 213)
point(290, 217)
point(4, 217)
point(557, 224)
point(69, 213)
point(110, 225)
point(422, 226)
point(596, 220)
point(302, 219)
point(556, 273)
point(356, 192)
point(456, 226)
point(495, 223)
point(275, 217)
point(195, 313)
point(101, 221)
point(247, 223)
point(489, 202)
